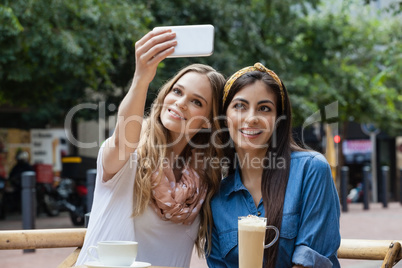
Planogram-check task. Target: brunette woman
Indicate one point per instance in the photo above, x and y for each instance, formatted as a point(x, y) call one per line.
point(271, 176)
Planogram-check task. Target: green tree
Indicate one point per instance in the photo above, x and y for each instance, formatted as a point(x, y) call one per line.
point(353, 57)
point(55, 52)
point(323, 53)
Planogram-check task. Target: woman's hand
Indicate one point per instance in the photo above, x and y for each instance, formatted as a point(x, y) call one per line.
point(150, 50)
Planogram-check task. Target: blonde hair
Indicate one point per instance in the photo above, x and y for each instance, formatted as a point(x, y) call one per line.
point(152, 150)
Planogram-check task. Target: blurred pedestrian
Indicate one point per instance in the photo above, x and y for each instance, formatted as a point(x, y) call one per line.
point(14, 183)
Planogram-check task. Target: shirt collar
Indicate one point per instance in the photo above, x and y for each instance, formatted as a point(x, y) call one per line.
point(237, 183)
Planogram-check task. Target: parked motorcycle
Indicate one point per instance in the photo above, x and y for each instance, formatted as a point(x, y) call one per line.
point(73, 182)
point(72, 198)
point(55, 194)
point(47, 199)
point(67, 196)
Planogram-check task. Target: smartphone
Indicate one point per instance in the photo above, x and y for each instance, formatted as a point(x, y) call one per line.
point(192, 40)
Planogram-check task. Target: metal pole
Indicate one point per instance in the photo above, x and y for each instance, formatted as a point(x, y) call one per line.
point(385, 174)
point(344, 187)
point(374, 167)
point(28, 201)
point(366, 187)
point(400, 185)
point(91, 177)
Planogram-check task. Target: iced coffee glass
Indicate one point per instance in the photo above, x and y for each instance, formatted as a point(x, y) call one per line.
point(251, 240)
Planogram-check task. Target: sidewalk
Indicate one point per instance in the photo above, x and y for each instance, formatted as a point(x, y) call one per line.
point(375, 223)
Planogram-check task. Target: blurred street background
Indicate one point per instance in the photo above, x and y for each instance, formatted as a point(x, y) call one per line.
point(66, 65)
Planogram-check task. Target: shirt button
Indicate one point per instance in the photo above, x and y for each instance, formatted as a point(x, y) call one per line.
point(259, 213)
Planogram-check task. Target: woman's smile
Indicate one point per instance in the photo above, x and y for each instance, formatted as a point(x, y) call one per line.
point(250, 133)
point(176, 114)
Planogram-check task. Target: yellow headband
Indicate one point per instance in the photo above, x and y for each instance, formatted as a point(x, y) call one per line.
point(257, 67)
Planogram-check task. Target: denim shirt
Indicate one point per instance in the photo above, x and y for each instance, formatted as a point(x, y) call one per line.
point(309, 234)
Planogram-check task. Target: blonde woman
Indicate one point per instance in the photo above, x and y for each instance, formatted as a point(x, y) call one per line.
point(151, 186)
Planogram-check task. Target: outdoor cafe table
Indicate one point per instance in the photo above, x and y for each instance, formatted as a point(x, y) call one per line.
point(361, 249)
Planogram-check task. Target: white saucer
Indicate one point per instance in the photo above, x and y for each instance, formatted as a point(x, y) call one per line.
point(96, 264)
point(140, 264)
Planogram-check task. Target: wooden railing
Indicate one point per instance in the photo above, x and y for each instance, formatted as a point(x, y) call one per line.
point(45, 238)
point(42, 238)
point(387, 250)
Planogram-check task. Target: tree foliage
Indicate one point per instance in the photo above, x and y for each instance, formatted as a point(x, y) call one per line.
point(324, 51)
point(344, 52)
point(52, 51)
point(354, 58)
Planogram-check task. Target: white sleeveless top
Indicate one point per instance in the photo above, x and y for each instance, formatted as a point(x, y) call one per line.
point(161, 243)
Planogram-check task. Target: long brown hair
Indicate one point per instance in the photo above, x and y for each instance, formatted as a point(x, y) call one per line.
point(281, 144)
point(152, 149)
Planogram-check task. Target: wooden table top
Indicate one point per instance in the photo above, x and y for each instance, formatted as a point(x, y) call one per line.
point(84, 266)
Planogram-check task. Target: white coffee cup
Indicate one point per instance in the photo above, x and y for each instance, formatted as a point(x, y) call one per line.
point(115, 253)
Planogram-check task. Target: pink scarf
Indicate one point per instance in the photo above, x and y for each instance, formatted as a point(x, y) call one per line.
point(179, 202)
